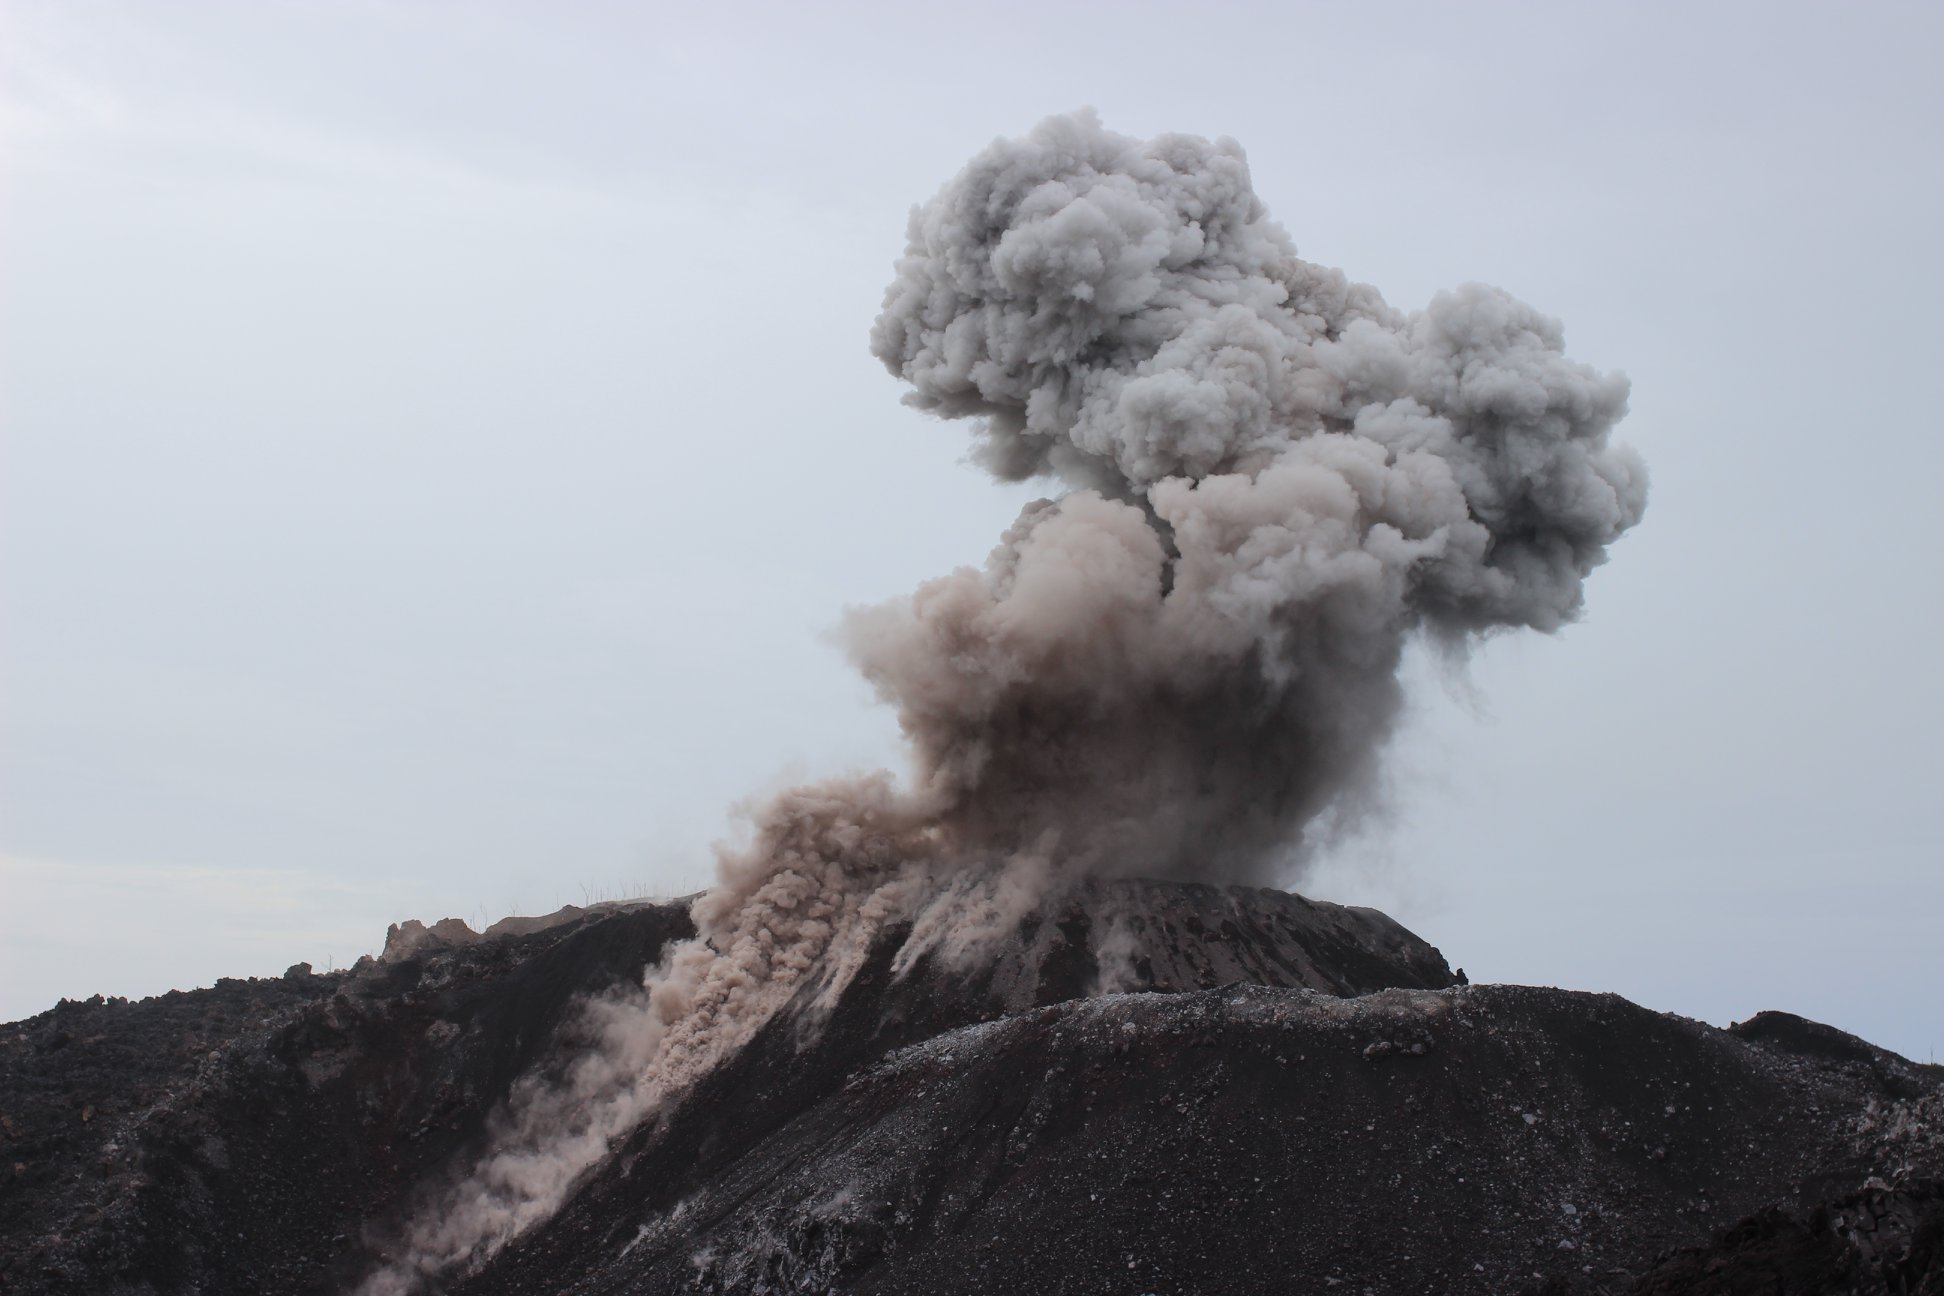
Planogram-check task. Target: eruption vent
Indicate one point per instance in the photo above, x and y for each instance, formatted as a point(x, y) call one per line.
point(1186, 664)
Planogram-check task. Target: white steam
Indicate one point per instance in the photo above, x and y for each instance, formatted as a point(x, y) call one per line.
point(1187, 664)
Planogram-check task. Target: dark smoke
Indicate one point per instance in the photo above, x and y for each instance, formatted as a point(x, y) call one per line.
point(1187, 664)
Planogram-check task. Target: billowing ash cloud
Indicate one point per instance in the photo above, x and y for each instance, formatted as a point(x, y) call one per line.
point(1278, 479)
point(1185, 665)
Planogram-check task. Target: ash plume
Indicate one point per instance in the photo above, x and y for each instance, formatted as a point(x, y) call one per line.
point(1187, 660)
point(1184, 665)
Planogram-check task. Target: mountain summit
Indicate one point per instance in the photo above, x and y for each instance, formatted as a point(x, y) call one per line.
point(1151, 1087)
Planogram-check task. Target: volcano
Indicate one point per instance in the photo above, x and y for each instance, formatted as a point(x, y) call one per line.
point(1148, 1087)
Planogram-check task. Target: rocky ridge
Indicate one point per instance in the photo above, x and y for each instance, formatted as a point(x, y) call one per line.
point(1158, 1088)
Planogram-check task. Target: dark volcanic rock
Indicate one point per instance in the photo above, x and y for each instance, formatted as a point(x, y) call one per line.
point(1185, 937)
point(1247, 1139)
point(241, 1136)
point(78, 1082)
point(1157, 1088)
point(1874, 1243)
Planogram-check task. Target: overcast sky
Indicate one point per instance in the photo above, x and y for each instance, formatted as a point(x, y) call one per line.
point(439, 439)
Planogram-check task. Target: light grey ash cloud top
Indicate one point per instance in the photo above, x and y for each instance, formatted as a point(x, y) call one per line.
point(1192, 658)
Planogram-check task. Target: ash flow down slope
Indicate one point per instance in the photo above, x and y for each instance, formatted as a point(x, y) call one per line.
point(1186, 665)
point(1254, 1115)
point(889, 1050)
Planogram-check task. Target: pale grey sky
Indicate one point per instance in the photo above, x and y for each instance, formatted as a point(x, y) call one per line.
point(438, 439)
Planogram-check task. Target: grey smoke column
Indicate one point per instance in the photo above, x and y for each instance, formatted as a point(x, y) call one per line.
point(1190, 660)
point(1187, 664)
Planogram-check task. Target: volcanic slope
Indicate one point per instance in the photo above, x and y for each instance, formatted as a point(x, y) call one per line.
point(1161, 1088)
point(1251, 1138)
point(237, 1139)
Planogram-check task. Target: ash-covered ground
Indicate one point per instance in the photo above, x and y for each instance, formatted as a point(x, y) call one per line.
point(1291, 1097)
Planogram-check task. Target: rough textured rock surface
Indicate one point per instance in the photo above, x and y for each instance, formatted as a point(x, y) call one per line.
point(1246, 1139)
point(1874, 1243)
point(1164, 1088)
point(237, 1139)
